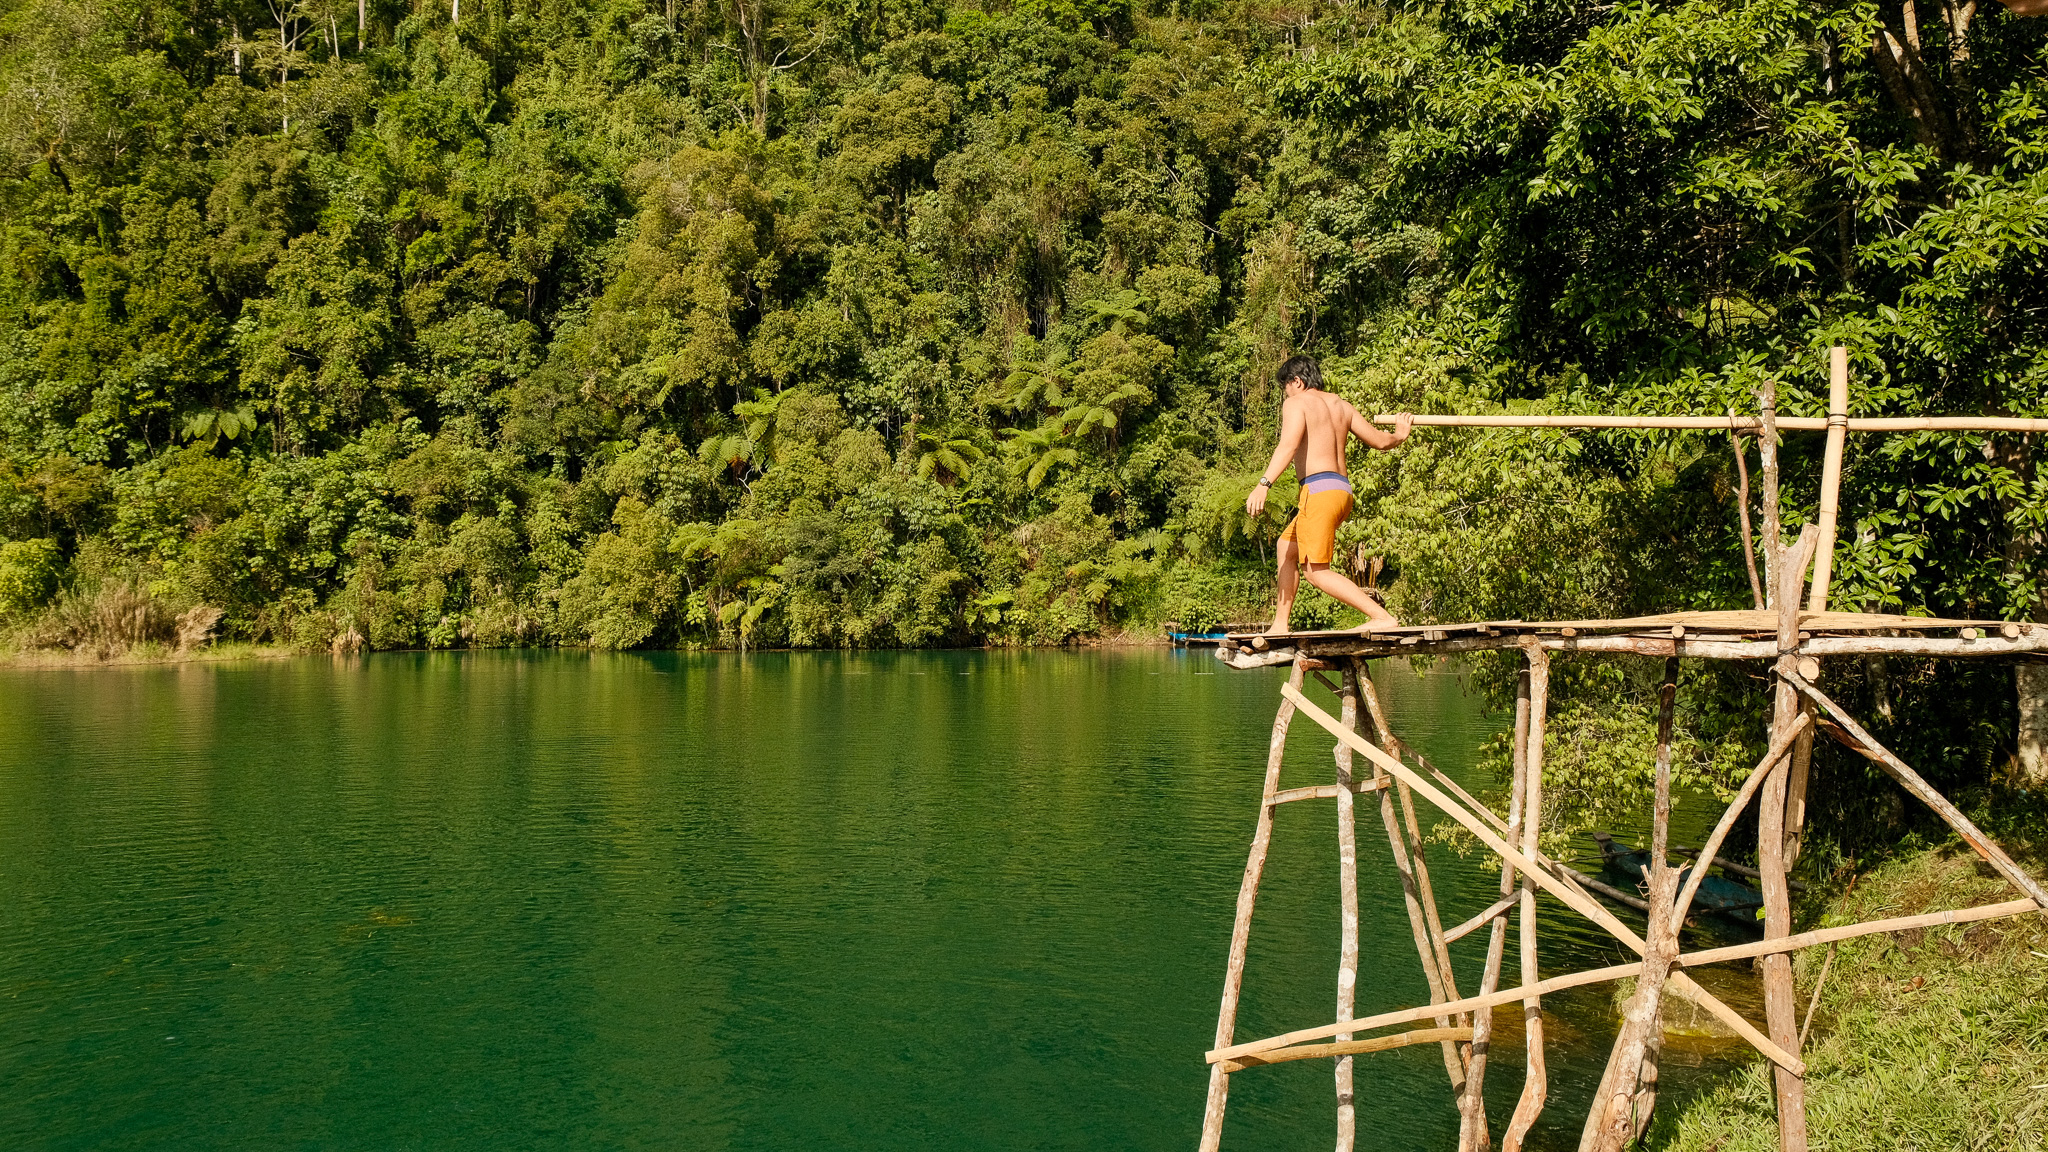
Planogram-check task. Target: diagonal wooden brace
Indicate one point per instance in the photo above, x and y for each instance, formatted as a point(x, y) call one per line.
point(1572, 898)
point(1911, 781)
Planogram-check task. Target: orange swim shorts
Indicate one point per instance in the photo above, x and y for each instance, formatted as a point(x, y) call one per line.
point(1314, 527)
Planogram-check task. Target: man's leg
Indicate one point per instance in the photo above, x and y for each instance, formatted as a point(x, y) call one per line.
point(1290, 580)
point(1334, 584)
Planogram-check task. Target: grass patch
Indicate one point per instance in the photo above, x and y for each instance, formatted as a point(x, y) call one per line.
point(1926, 1040)
point(148, 652)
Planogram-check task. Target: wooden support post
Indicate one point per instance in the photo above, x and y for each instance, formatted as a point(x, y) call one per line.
point(1781, 1009)
point(1347, 898)
point(1473, 1135)
point(1411, 891)
point(1628, 1089)
point(1535, 1080)
point(1241, 928)
point(1767, 452)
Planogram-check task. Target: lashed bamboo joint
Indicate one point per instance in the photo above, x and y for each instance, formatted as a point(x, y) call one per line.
point(1795, 640)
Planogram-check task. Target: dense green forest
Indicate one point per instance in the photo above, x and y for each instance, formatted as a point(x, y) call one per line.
point(630, 322)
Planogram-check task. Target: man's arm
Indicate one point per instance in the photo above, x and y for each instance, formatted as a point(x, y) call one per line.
point(1370, 433)
point(1291, 427)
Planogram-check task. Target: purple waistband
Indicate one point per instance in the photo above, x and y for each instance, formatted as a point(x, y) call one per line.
point(1325, 482)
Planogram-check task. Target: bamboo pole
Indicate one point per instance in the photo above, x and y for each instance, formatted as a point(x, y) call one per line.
point(1570, 895)
point(1494, 911)
point(1449, 785)
point(1322, 791)
point(1411, 891)
point(1473, 1135)
point(1431, 919)
point(1823, 569)
point(1273, 1049)
point(1628, 1088)
point(1912, 782)
point(1347, 897)
point(1535, 1076)
point(1241, 928)
point(1756, 586)
point(1819, 983)
point(2021, 424)
point(1831, 475)
point(1345, 1049)
point(1781, 1010)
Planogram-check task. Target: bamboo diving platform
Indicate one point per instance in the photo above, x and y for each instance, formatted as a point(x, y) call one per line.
point(1797, 641)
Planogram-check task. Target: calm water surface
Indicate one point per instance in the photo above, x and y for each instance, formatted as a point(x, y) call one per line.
point(569, 901)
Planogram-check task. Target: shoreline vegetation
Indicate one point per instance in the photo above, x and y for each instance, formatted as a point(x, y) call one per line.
point(14, 653)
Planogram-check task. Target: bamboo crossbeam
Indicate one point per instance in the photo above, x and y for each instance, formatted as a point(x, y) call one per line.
point(1983, 647)
point(1741, 423)
point(1575, 900)
point(1324, 791)
point(1343, 1048)
point(1273, 1044)
point(1473, 925)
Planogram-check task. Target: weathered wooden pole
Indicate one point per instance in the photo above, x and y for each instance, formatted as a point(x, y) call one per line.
point(1535, 1080)
point(1472, 1128)
point(1767, 453)
point(1241, 928)
point(1347, 899)
point(1411, 891)
point(1781, 1009)
point(1628, 1089)
point(1756, 585)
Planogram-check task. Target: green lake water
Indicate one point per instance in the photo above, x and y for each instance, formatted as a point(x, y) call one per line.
point(973, 900)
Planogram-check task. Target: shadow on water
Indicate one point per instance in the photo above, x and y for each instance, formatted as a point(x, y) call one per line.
point(657, 900)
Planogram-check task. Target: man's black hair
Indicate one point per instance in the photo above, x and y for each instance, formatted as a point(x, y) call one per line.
point(1304, 369)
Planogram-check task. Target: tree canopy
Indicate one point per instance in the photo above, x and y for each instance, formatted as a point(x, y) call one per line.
point(783, 323)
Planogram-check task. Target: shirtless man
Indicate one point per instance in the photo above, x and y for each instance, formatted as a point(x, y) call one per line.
point(1313, 430)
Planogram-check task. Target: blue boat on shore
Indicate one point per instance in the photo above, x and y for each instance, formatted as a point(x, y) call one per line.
point(1716, 894)
point(1181, 637)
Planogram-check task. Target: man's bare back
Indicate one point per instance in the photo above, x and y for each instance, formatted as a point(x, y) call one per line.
point(1314, 426)
point(1325, 420)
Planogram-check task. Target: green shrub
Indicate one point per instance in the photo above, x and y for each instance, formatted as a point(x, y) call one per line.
point(29, 572)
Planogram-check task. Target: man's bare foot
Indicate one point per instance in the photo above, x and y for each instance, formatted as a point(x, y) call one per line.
point(1378, 625)
point(1276, 627)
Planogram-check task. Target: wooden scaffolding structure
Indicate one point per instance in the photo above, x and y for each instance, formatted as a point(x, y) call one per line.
point(1795, 640)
